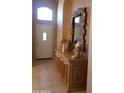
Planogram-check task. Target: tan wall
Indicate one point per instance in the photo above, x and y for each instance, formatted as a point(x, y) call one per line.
point(81, 3)
point(59, 23)
point(64, 21)
point(67, 27)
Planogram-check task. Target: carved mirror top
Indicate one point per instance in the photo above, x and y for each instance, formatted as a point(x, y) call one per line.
point(80, 11)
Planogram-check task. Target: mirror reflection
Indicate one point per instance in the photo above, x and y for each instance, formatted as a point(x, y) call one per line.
point(77, 29)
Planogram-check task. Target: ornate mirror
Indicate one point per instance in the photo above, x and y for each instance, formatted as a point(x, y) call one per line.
point(78, 32)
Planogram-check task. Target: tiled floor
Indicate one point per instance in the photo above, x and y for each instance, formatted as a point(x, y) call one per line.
point(46, 78)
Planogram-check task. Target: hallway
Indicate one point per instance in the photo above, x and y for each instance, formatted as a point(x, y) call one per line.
point(46, 78)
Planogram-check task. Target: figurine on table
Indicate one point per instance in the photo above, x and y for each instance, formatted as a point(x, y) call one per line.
point(77, 50)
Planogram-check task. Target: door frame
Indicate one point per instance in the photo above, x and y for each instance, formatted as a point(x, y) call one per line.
point(34, 22)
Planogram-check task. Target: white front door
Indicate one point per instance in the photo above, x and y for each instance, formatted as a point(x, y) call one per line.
point(44, 41)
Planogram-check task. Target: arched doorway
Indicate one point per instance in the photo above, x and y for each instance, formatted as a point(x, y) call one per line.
point(44, 33)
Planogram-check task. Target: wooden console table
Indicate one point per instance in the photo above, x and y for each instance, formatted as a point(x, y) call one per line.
point(73, 71)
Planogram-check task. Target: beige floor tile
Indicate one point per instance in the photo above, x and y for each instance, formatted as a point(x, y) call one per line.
point(49, 66)
point(53, 73)
point(56, 79)
point(79, 91)
point(35, 77)
point(47, 90)
point(57, 83)
point(43, 74)
point(43, 71)
point(35, 73)
point(35, 86)
point(36, 91)
point(60, 89)
point(51, 69)
point(43, 91)
point(43, 66)
point(50, 90)
point(45, 84)
point(47, 79)
point(35, 68)
point(55, 76)
point(36, 81)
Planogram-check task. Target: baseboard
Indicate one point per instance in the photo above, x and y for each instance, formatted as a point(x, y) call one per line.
point(43, 58)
